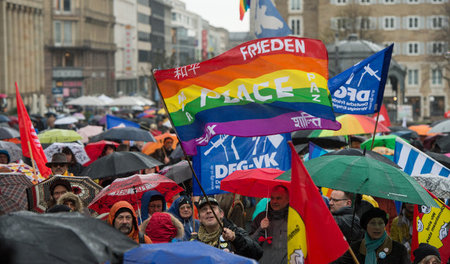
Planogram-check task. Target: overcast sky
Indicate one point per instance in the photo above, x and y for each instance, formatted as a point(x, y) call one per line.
point(220, 13)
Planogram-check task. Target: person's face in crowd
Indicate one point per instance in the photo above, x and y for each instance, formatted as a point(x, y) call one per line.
point(279, 199)
point(3, 159)
point(59, 169)
point(58, 191)
point(109, 150)
point(155, 206)
point(124, 222)
point(69, 157)
point(152, 170)
point(409, 209)
point(375, 227)
point(338, 200)
point(356, 144)
point(207, 218)
point(168, 144)
point(185, 211)
point(430, 260)
point(70, 204)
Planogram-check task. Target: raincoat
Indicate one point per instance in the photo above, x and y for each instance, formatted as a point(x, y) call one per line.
point(189, 223)
point(145, 200)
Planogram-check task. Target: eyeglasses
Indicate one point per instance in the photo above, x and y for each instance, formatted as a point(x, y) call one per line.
point(337, 200)
point(58, 165)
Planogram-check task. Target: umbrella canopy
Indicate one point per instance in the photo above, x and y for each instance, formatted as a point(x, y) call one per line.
point(443, 143)
point(89, 131)
point(58, 135)
point(179, 172)
point(94, 150)
point(422, 130)
point(177, 153)
point(66, 120)
point(441, 158)
point(13, 192)
point(8, 132)
point(352, 125)
point(131, 101)
point(182, 252)
point(151, 147)
point(438, 185)
point(363, 175)
point(384, 151)
point(359, 152)
point(39, 194)
point(253, 182)
point(119, 163)
point(77, 150)
point(79, 116)
point(125, 133)
point(442, 127)
point(381, 141)
point(62, 238)
point(4, 118)
point(26, 170)
point(15, 152)
point(86, 101)
point(303, 136)
point(131, 189)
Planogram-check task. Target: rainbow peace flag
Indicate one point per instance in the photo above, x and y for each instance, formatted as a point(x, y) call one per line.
point(261, 87)
point(244, 5)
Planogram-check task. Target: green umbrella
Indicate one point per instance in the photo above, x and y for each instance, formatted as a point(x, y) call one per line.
point(387, 141)
point(361, 174)
point(58, 135)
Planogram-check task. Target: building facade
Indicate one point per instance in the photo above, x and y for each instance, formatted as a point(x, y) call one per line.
point(21, 52)
point(79, 48)
point(418, 29)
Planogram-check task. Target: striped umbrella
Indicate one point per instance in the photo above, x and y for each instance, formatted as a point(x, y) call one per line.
point(352, 125)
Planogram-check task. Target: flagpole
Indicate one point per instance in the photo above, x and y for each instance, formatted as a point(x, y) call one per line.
point(375, 130)
point(185, 155)
point(32, 160)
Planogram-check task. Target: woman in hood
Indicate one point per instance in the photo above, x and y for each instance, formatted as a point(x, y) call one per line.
point(163, 228)
point(182, 209)
point(72, 201)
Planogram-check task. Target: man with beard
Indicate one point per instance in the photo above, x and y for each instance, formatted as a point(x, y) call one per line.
point(123, 218)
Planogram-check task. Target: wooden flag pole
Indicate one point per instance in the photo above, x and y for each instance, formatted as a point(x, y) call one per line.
point(186, 156)
point(375, 130)
point(353, 254)
point(32, 160)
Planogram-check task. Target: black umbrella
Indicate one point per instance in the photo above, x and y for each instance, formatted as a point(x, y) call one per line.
point(124, 133)
point(7, 132)
point(62, 238)
point(178, 172)
point(302, 137)
point(177, 153)
point(120, 163)
point(443, 143)
point(441, 158)
point(367, 153)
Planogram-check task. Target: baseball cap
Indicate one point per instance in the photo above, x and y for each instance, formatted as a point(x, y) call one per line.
point(204, 202)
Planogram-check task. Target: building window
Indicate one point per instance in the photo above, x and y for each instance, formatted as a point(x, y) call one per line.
point(144, 19)
point(67, 33)
point(365, 23)
point(413, 48)
point(413, 22)
point(341, 23)
point(365, 2)
point(63, 6)
point(437, 1)
point(437, 48)
point(296, 26)
point(295, 5)
point(144, 56)
point(57, 32)
point(389, 23)
point(436, 76)
point(389, 2)
point(62, 33)
point(413, 77)
point(437, 22)
point(437, 105)
point(69, 60)
point(341, 2)
point(413, 1)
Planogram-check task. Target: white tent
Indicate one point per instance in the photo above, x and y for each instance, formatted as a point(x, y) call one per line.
point(86, 101)
point(130, 101)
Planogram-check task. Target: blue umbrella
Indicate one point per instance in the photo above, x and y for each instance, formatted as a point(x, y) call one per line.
point(182, 252)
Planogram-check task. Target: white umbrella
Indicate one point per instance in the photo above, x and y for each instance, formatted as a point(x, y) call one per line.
point(130, 101)
point(85, 101)
point(66, 120)
point(89, 131)
point(105, 99)
point(77, 150)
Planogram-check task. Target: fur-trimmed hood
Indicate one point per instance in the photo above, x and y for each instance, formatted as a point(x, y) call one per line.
point(68, 196)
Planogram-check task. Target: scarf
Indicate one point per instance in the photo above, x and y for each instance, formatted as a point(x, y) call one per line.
point(211, 239)
point(371, 247)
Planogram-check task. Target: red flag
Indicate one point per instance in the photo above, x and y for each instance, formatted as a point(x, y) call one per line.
point(312, 232)
point(431, 225)
point(28, 134)
point(384, 117)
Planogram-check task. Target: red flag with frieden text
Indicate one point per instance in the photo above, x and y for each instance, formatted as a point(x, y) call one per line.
point(29, 138)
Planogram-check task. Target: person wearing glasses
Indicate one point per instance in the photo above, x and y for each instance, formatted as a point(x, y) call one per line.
point(342, 211)
point(59, 165)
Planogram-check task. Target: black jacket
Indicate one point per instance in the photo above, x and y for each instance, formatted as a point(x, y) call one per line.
point(343, 218)
point(242, 245)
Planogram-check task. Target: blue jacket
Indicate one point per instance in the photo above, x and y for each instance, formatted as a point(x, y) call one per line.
point(145, 200)
point(187, 223)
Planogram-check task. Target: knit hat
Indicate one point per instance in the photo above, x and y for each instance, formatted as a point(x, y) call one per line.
point(121, 210)
point(372, 213)
point(62, 182)
point(5, 152)
point(184, 200)
point(423, 251)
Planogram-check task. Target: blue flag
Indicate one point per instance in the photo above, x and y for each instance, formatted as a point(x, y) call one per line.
point(226, 154)
point(315, 151)
point(359, 90)
point(114, 121)
point(268, 21)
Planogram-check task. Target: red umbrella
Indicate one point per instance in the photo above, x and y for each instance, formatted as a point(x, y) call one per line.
point(131, 189)
point(253, 182)
point(94, 150)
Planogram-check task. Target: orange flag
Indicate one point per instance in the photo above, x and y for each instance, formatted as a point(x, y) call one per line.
point(28, 136)
point(313, 235)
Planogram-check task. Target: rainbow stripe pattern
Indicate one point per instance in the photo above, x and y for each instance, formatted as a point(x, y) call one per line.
point(244, 5)
point(261, 87)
